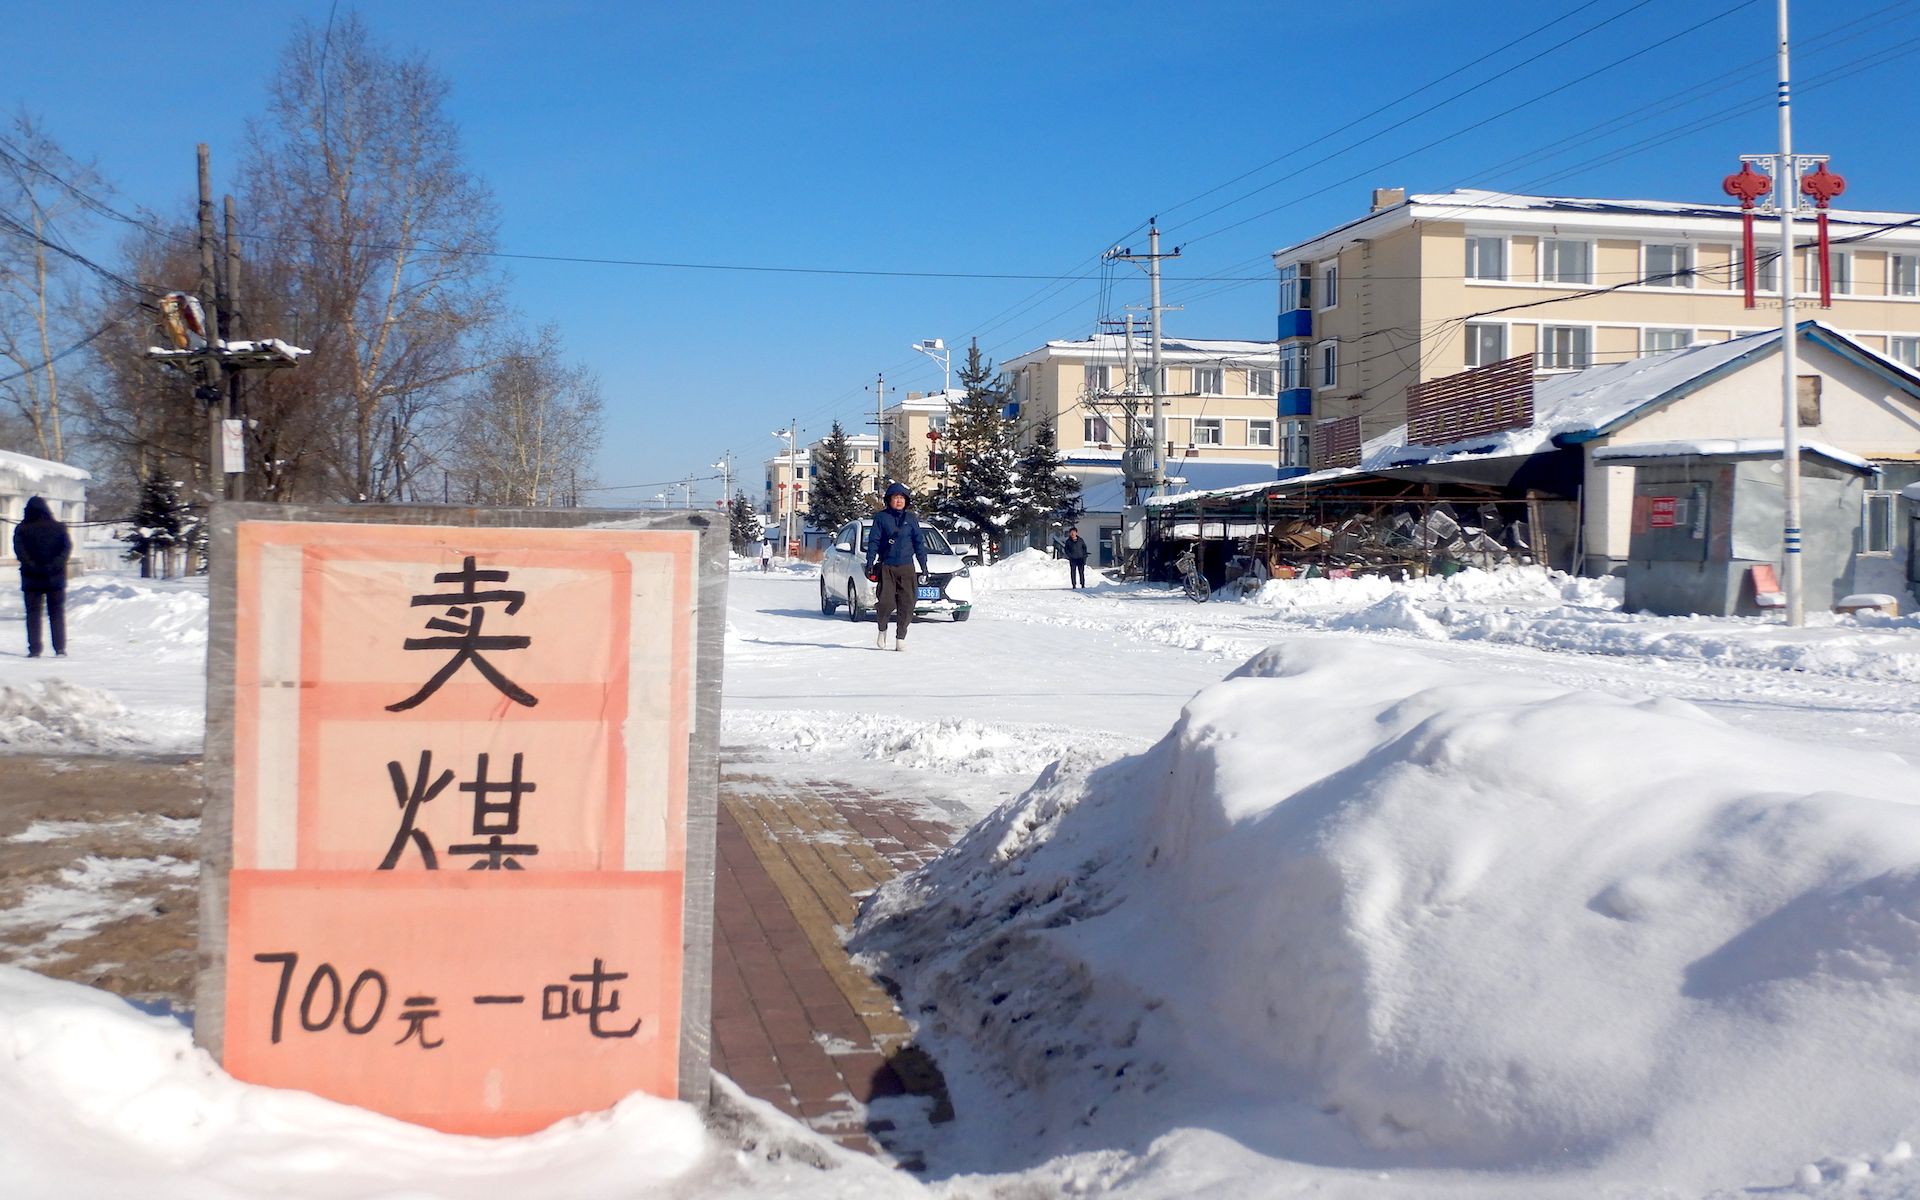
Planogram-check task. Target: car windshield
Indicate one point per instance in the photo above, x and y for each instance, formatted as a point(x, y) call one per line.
point(936, 541)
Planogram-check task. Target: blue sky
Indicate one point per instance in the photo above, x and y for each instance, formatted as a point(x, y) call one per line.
point(979, 138)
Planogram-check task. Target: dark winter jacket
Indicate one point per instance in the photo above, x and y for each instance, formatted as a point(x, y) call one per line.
point(1075, 548)
point(895, 539)
point(42, 546)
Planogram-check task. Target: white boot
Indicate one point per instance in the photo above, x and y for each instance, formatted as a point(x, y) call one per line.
point(899, 643)
point(880, 638)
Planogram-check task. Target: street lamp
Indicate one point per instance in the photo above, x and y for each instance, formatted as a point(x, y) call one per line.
point(936, 350)
point(660, 498)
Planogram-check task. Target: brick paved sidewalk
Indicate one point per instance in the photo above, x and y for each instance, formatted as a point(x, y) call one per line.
point(794, 1022)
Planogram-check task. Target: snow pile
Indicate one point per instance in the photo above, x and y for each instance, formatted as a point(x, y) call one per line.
point(955, 744)
point(99, 1100)
point(1531, 586)
point(155, 619)
point(52, 714)
point(1025, 571)
point(1365, 910)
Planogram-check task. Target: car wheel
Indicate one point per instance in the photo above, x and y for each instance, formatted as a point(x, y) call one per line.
point(853, 602)
point(827, 602)
point(961, 614)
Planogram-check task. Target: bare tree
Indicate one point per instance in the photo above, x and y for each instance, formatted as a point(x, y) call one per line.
point(43, 200)
point(527, 431)
point(356, 185)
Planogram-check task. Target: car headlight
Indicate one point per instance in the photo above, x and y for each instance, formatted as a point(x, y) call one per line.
point(965, 572)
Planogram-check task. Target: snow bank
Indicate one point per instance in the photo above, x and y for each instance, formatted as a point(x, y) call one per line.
point(55, 715)
point(97, 1099)
point(949, 745)
point(1365, 910)
point(1025, 571)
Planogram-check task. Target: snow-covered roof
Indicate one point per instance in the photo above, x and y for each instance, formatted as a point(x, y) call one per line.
point(1579, 406)
point(1112, 347)
point(29, 469)
point(1107, 493)
point(1505, 208)
point(1725, 448)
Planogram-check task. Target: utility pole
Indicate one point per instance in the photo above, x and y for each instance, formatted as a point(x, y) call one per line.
point(725, 467)
point(880, 432)
point(686, 490)
point(793, 468)
point(209, 392)
point(230, 329)
point(1152, 257)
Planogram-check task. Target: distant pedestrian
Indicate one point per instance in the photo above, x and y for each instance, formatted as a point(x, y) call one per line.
point(43, 547)
point(1075, 550)
point(766, 554)
point(894, 544)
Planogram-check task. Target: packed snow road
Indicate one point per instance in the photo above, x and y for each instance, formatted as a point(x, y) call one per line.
point(972, 711)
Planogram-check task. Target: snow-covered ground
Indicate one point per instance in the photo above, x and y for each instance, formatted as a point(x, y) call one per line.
point(1471, 887)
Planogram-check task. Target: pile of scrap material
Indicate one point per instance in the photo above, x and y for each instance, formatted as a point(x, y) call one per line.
point(1400, 539)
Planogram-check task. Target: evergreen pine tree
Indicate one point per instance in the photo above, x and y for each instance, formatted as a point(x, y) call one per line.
point(836, 495)
point(979, 485)
point(1049, 498)
point(745, 527)
point(161, 521)
point(902, 466)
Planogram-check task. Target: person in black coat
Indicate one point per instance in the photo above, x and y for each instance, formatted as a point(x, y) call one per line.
point(43, 547)
point(1075, 552)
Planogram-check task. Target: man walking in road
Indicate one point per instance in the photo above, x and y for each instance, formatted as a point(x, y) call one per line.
point(895, 544)
point(1075, 551)
point(43, 547)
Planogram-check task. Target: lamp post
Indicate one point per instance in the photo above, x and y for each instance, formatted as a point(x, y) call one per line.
point(936, 350)
point(660, 499)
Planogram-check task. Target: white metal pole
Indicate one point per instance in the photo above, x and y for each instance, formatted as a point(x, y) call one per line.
point(1787, 191)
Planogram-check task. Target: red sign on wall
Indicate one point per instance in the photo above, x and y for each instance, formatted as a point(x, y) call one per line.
point(1663, 511)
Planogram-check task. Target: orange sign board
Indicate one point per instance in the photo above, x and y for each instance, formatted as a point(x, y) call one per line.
point(459, 807)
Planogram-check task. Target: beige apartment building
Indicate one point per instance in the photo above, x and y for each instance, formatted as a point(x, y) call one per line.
point(907, 425)
point(1426, 286)
point(1217, 399)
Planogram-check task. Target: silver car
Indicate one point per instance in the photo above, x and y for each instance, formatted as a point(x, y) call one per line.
point(946, 586)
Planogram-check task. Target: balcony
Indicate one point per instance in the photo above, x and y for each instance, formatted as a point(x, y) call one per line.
point(1296, 323)
point(1296, 402)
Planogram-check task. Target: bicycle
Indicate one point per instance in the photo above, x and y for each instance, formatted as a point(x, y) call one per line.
point(1192, 581)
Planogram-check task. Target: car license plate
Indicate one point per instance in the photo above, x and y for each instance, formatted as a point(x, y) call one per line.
point(929, 593)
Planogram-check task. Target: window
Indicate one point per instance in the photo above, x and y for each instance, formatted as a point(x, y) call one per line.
point(1877, 523)
point(1903, 275)
point(1293, 366)
point(1293, 443)
point(1486, 257)
point(1486, 343)
point(1260, 433)
point(1207, 381)
point(1260, 382)
point(1659, 341)
point(1094, 431)
point(1841, 264)
point(1330, 283)
point(1905, 349)
point(1143, 431)
point(1097, 379)
point(1564, 260)
point(1565, 347)
point(1668, 264)
point(1329, 364)
point(1766, 279)
point(1293, 288)
point(1207, 432)
point(1807, 396)
point(938, 421)
point(1146, 381)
